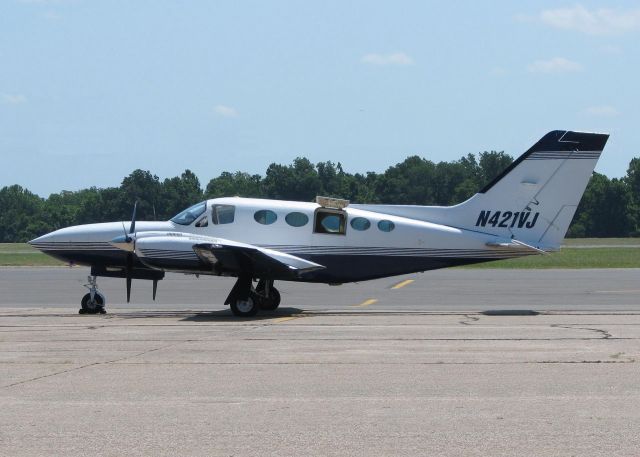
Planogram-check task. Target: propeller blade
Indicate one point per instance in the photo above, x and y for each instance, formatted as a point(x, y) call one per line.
point(128, 270)
point(129, 265)
point(132, 228)
point(128, 288)
point(155, 288)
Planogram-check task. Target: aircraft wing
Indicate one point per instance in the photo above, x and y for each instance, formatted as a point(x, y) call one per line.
point(176, 251)
point(258, 261)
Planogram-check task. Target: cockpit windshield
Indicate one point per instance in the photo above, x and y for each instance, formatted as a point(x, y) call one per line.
point(190, 214)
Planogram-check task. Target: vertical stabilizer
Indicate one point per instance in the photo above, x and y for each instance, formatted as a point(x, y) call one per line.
point(532, 201)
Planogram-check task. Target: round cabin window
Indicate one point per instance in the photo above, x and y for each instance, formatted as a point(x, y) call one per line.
point(296, 219)
point(265, 216)
point(386, 225)
point(360, 223)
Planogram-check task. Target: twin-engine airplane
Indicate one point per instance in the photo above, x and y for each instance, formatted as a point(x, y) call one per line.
point(525, 210)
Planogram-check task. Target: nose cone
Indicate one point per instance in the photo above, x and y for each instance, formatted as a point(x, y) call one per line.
point(55, 238)
point(123, 242)
point(89, 236)
point(107, 236)
point(41, 239)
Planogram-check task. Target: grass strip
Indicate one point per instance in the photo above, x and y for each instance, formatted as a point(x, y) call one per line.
point(572, 258)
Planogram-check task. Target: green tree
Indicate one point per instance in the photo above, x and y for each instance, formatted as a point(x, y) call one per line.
point(299, 182)
point(20, 215)
point(604, 209)
point(491, 164)
point(410, 182)
point(238, 184)
point(633, 182)
point(101, 205)
point(143, 187)
point(610, 207)
point(177, 194)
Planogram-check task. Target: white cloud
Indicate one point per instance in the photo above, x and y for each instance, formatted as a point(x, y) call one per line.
point(13, 99)
point(225, 111)
point(555, 65)
point(601, 111)
point(601, 21)
point(396, 58)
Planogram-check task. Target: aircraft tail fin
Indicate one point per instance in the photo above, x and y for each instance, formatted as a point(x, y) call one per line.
point(535, 198)
point(532, 201)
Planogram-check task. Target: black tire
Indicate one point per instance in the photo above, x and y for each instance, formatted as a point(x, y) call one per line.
point(246, 308)
point(271, 302)
point(267, 303)
point(89, 307)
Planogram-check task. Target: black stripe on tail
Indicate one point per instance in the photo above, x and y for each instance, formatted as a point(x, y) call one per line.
point(558, 144)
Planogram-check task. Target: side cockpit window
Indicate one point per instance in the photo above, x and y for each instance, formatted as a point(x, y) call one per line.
point(223, 214)
point(330, 222)
point(190, 214)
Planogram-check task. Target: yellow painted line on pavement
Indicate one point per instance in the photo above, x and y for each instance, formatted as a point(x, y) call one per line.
point(406, 282)
point(284, 319)
point(368, 302)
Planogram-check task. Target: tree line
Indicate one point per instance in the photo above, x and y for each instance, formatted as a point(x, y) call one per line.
point(609, 208)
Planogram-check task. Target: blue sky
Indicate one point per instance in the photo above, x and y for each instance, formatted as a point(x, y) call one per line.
point(91, 90)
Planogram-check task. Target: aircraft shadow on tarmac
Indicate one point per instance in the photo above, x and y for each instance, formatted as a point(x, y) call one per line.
point(226, 315)
point(206, 316)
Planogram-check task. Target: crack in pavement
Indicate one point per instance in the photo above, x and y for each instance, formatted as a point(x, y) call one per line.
point(106, 362)
point(605, 334)
point(469, 319)
point(122, 359)
point(123, 362)
point(521, 362)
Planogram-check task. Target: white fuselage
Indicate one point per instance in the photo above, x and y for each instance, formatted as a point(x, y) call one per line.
point(369, 245)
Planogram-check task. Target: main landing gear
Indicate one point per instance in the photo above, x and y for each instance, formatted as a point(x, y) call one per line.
point(246, 300)
point(94, 301)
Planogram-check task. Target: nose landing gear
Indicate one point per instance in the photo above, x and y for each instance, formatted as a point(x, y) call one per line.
point(94, 301)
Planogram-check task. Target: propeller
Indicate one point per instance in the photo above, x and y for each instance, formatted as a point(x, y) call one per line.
point(127, 242)
point(129, 263)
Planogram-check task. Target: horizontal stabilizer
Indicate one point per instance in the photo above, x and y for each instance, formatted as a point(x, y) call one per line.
point(517, 245)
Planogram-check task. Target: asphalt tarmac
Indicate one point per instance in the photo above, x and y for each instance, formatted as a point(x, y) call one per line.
point(447, 290)
point(443, 363)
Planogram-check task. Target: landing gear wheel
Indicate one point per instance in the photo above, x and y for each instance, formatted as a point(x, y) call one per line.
point(267, 295)
point(94, 306)
point(244, 308)
point(271, 302)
